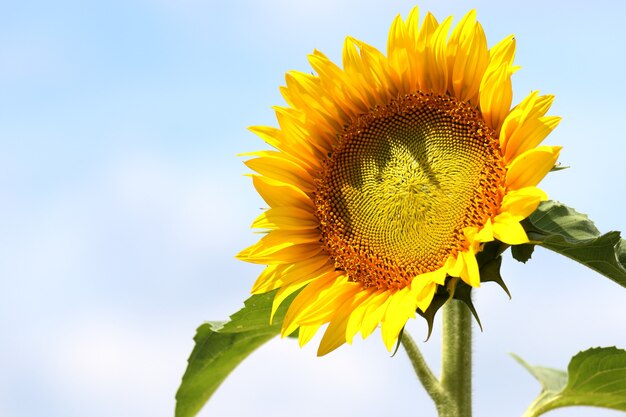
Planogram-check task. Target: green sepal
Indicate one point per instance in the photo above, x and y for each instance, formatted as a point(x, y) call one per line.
point(441, 297)
point(398, 342)
point(522, 253)
point(567, 232)
point(595, 377)
point(559, 167)
point(489, 262)
point(490, 272)
point(463, 292)
point(221, 346)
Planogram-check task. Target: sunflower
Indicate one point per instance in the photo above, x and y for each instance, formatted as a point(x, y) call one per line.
point(389, 175)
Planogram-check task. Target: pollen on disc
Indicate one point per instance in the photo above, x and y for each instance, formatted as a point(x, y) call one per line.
point(401, 185)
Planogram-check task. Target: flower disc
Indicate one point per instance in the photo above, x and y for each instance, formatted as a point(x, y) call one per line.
point(403, 183)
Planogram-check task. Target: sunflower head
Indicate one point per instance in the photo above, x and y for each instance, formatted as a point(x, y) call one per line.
point(390, 174)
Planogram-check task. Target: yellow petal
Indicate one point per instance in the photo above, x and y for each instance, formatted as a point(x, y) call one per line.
point(308, 94)
point(312, 267)
point(496, 90)
point(302, 151)
point(355, 70)
point(423, 42)
point(412, 25)
point(339, 85)
point(280, 275)
point(339, 331)
point(398, 47)
point(285, 218)
point(293, 123)
point(360, 305)
point(454, 265)
point(516, 118)
point(400, 308)
point(508, 230)
point(335, 334)
point(282, 170)
point(471, 274)
point(468, 57)
point(306, 333)
point(486, 233)
point(383, 77)
point(281, 254)
point(436, 70)
point(324, 309)
point(314, 291)
point(529, 135)
point(267, 278)
point(529, 168)
point(374, 313)
point(279, 239)
point(283, 293)
point(279, 194)
point(425, 296)
point(525, 126)
point(437, 276)
point(521, 203)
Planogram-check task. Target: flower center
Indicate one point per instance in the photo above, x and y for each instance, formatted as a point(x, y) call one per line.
point(402, 183)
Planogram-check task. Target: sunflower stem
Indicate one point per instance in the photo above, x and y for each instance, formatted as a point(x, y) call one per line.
point(456, 367)
point(424, 374)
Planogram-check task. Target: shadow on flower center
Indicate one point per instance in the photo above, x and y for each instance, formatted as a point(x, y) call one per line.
point(401, 185)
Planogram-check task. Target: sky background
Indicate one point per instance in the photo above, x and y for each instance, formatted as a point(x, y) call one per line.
point(123, 203)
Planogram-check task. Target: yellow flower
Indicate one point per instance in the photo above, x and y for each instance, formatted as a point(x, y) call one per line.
point(390, 174)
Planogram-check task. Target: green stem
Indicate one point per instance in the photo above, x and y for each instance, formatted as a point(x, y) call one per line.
point(424, 374)
point(456, 370)
point(453, 394)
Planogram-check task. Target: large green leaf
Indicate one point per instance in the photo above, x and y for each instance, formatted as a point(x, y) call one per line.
point(563, 230)
point(595, 377)
point(221, 346)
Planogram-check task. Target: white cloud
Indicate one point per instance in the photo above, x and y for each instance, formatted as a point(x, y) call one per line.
point(195, 206)
point(106, 364)
point(282, 380)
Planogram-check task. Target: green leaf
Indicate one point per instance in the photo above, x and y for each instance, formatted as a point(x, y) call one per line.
point(567, 232)
point(221, 346)
point(595, 377)
point(553, 380)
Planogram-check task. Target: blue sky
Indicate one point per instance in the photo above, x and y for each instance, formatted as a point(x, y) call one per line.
point(123, 203)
